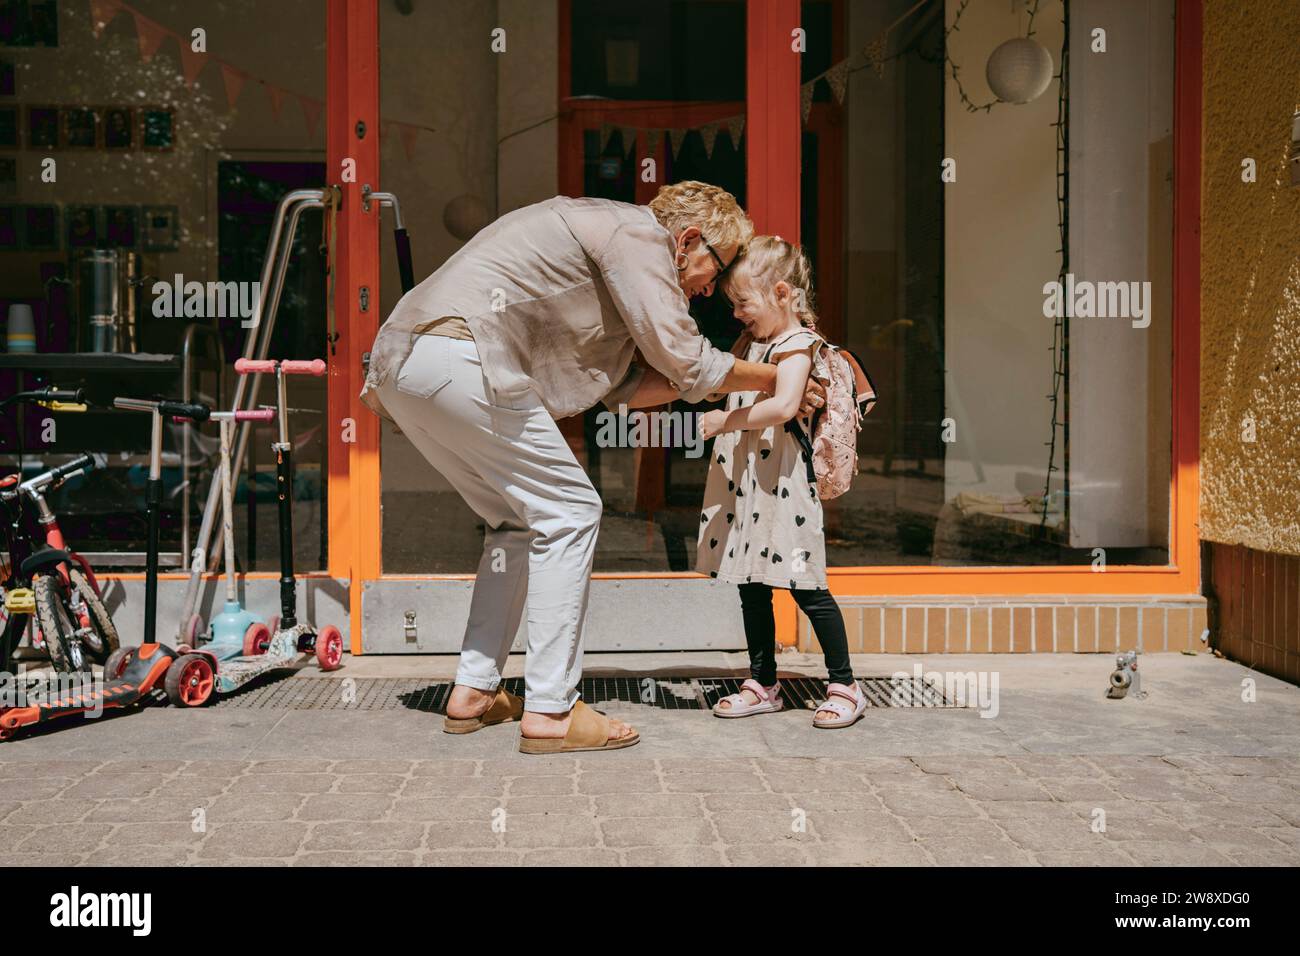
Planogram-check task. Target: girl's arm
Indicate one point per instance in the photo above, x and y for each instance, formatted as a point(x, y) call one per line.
point(792, 373)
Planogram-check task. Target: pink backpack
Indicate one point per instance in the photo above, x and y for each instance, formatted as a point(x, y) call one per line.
point(831, 453)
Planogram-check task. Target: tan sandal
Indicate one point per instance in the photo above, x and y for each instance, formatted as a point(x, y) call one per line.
point(588, 730)
point(505, 708)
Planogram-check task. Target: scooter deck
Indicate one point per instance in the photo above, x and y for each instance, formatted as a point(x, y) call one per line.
point(141, 676)
point(281, 654)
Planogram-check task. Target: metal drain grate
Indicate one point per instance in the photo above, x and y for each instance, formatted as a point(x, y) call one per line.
point(677, 693)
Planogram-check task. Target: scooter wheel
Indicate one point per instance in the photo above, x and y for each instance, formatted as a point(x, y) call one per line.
point(329, 648)
point(118, 662)
point(256, 639)
point(190, 681)
point(273, 625)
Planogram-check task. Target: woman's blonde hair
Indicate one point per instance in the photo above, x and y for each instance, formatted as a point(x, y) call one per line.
point(711, 209)
point(768, 260)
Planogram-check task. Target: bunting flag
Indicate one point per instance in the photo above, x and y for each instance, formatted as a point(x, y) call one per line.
point(150, 35)
point(276, 96)
point(838, 78)
point(805, 99)
point(102, 13)
point(311, 110)
point(192, 64)
point(875, 52)
point(735, 127)
point(233, 80)
point(606, 132)
point(709, 133)
point(654, 139)
point(629, 141)
point(675, 137)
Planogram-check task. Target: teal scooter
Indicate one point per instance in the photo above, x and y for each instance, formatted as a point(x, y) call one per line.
point(236, 631)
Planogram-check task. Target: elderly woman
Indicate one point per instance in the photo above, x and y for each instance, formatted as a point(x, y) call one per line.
point(537, 318)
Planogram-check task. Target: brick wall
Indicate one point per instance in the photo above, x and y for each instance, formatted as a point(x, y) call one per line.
point(1255, 607)
point(1019, 624)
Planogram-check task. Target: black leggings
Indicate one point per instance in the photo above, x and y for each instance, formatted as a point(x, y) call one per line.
point(760, 631)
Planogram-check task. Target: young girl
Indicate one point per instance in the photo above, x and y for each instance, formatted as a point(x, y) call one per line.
point(761, 527)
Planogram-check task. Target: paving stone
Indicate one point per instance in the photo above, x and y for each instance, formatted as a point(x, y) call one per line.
point(867, 854)
point(58, 839)
point(734, 829)
point(456, 786)
point(475, 809)
point(296, 766)
point(215, 768)
point(38, 812)
point(127, 855)
point(394, 767)
point(606, 782)
point(1010, 788)
point(546, 784)
point(927, 803)
point(974, 853)
point(1054, 765)
point(252, 808)
point(1225, 836)
point(156, 834)
point(1250, 789)
point(1259, 856)
point(338, 858)
point(282, 782)
point(1078, 789)
point(195, 789)
point(839, 781)
point(461, 858)
point(459, 835)
point(1149, 829)
point(135, 809)
point(589, 856)
point(445, 768)
point(647, 831)
point(769, 856)
point(750, 801)
point(558, 804)
point(1060, 834)
point(671, 765)
point(382, 783)
point(37, 769)
point(1178, 853)
point(1101, 856)
point(355, 835)
point(716, 783)
point(277, 839)
point(530, 830)
point(97, 787)
point(672, 856)
point(344, 806)
point(859, 827)
point(961, 765)
point(39, 788)
point(141, 766)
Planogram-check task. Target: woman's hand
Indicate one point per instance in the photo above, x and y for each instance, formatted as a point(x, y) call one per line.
point(711, 422)
point(814, 397)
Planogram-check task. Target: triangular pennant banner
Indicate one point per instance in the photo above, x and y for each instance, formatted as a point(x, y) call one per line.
point(234, 82)
point(876, 55)
point(276, 96)
point(629, 140)
point(192, 63)
point(606, 131)
point(311, 110)
point(654, 139)
point(151, 35)
point(805, 99)
point(675, 137)
point(735, 127)
point(709, 133)
point(102, 13)
point(407, 135)
point(838, 78)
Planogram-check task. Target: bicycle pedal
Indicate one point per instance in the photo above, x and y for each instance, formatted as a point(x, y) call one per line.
point(20, 601)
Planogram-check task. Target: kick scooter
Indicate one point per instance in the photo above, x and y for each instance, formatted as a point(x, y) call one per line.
point(132, 673)
point(235, 632)
point(293, 643)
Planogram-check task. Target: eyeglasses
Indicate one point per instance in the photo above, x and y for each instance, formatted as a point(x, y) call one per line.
point(718, 259)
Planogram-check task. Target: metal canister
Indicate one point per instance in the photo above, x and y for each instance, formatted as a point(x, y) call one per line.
point(107, 288)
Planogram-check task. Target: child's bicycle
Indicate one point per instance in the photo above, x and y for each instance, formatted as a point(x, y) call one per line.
point(42, 579)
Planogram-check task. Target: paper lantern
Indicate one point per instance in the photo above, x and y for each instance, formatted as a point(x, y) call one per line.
point(465, 215)
point(1019, 71)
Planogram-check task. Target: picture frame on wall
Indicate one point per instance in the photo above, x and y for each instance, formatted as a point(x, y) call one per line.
point(121, 226)
point(40, 227)
point(42, 127)
point(8, 176)
point(157, 128)
point(8, 78)
point(83, 227)
point(79, 127)
point(159, 229)
point(29, 23)
point(119, 127)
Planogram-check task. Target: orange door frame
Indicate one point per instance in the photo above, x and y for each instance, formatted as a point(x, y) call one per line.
point(773, 184)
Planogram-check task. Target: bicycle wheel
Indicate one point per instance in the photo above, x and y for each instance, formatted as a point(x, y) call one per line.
point(62, 641)
point(98, 635)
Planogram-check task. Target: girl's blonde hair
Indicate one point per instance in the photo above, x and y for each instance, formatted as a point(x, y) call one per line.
point(711, 209)
point(768, 260)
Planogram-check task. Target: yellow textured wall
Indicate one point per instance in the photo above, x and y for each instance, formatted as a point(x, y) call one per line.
point(1250, 278)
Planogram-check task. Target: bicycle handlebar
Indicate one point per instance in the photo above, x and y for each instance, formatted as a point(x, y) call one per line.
point(315, 367)
point(71, 396)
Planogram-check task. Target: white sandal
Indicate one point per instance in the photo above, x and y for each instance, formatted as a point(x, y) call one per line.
point(847, 702)
point(769, 701)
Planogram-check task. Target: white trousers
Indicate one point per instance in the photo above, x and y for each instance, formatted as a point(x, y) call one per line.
point(506, 457)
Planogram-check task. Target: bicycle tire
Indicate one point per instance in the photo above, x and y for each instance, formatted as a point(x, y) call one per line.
point(103, 639)
point(60, 634)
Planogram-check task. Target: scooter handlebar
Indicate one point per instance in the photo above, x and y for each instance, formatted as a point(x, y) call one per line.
point(314, 367)
point(255, 415)
point(193, 411)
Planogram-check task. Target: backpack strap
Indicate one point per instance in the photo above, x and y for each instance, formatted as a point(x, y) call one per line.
point(785, 338)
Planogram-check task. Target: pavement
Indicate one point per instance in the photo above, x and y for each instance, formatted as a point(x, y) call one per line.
point(1205, 770)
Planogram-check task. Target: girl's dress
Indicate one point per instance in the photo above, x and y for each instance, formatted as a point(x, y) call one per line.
point(762, 520)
